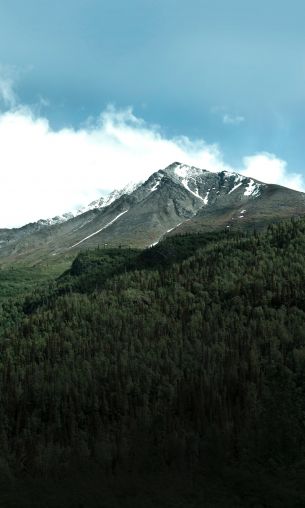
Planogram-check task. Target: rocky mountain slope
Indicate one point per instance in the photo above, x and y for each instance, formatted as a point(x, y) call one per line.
point(178, 199)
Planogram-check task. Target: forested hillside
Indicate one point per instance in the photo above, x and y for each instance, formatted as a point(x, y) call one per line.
point(186, 360)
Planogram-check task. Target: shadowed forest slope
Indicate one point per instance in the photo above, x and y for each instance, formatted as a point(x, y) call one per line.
point(184, 360)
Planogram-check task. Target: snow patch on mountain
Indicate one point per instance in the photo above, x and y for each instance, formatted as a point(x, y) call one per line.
point(196, 194)
point(171, 229)
point(252, 189)
point(99, 230)
point(56, 220)
point(98, 204)
point(156, 182)
point(182, 171)
point(155, 186)
point(109, 198)
point(235, 187)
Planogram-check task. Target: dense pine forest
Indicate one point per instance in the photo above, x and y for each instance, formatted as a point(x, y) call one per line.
point(168, 377)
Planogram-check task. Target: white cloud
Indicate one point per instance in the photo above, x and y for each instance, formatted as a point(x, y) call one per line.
point(233, 119)
point(270, 169)
point(46, 172)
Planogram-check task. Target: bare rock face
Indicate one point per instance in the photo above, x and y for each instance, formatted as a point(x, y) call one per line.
point(178, 199)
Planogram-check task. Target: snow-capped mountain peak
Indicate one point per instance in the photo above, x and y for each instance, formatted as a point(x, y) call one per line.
point(205, 186)
point(181, 170)
point(176, 200)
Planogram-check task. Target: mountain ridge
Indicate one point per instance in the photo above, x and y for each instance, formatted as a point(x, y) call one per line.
point(175, 200)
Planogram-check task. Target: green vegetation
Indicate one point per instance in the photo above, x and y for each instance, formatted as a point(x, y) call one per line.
point(18, 281)
point(169, 377)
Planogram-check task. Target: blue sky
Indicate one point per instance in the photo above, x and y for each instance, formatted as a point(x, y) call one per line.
point(229, 73)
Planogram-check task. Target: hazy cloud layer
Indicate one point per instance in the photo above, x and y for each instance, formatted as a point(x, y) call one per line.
point(8, 97)
point(233, 119)
point(46, 172)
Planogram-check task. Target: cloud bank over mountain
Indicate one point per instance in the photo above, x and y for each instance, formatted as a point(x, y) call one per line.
point(45, 172)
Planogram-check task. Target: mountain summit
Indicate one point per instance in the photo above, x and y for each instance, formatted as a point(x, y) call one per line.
point(177, 199)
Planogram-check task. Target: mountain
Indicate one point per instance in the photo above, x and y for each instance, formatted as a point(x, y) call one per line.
point(178, 199)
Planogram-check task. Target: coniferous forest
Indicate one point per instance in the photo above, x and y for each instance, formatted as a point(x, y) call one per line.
point(173, 376)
